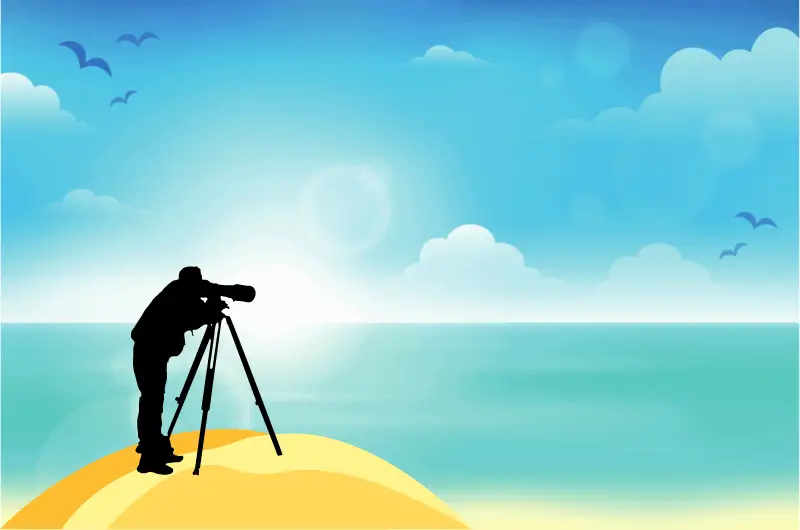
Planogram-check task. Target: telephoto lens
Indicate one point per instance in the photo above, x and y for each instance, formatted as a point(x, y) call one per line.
point(237, 293)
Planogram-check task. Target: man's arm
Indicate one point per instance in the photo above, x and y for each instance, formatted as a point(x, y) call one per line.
point(195, 314)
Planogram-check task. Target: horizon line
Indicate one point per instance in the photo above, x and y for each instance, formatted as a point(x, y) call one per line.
point(443, 322)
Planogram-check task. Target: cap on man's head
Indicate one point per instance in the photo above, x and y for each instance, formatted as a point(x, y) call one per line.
point(190, 274)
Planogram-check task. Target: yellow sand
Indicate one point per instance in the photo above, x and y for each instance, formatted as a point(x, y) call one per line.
point(308, 452)
point(316, 483)
point(293, 499)
point(56, 505)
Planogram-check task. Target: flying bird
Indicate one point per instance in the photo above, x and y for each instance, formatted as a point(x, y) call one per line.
point(734, 252)
point(764, 221)
point(80, 53)
point(123, 99)
point(130, 37)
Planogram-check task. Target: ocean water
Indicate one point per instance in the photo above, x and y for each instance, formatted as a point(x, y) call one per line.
point(625, 411)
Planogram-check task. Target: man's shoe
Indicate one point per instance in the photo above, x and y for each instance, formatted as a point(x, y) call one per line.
point(149, 466)
point(171, 458)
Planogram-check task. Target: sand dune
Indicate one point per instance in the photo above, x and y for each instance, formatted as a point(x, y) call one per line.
point(318, 483)
point(293, 499)
point(56, 505)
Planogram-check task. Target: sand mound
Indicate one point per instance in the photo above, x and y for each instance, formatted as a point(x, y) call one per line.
point(292, 499)
point(318, 483)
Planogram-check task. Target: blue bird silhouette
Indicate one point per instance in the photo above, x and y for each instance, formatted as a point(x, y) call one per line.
point(130, 37)
point(765, 221)
point(734, 252)
point(80, 53)
point(123, 99)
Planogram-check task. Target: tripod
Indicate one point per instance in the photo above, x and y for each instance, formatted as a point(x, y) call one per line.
point(211, 340)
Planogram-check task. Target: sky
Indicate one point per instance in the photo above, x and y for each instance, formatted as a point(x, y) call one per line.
point(427, 160)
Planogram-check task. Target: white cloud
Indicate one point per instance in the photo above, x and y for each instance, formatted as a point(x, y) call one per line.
point(655, 283)
point(659, 284)
point(761, 81)
point(441, 55)
point(24, 103)
point(469, 276)
point(86, 201)
point(699, 88)
point(671, 156)
point(657, 268)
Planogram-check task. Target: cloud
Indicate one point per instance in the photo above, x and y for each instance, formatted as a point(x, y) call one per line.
point(470, 277)
point(444, 55)
point(29, 105)
point(658, 282)
point(713, 120)
point(696, 86)
point(86, 201)
point(762, 81)
point(656, 268)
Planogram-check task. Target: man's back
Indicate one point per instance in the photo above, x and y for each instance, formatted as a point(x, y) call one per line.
point(174, 311)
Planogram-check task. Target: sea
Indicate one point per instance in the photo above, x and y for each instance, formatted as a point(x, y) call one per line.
point(619, 412)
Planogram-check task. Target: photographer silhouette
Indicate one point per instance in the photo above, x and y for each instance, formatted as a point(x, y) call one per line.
point(158, 336)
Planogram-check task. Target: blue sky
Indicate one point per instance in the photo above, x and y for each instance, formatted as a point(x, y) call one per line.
point(305, 140)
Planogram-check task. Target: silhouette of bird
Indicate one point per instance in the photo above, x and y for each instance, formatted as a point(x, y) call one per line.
point(734, 252)
point(765, 221)
point(80, 53)
point(130, 37)
point(123, 99)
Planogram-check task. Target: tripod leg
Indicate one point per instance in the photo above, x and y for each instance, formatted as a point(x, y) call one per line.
point(212, 366)
point(253, 386)
point(209, 333)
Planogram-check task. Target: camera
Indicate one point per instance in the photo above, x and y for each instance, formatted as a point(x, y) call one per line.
point(237, 293)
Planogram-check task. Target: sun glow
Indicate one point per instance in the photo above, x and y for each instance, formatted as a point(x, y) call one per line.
point(287, 299)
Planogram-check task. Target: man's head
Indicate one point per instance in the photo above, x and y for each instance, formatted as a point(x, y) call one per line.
point(191, 277)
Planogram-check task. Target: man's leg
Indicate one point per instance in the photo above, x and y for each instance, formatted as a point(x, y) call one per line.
point(150, 369)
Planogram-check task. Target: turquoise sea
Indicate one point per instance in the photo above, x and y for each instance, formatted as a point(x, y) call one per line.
point(625, 411)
